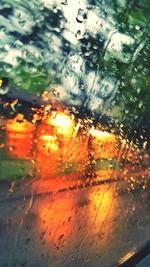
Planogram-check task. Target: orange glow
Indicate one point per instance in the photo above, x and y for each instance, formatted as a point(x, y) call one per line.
point(46, 139)
point(102, 135)
point(63, 123)
point(47, 149)
point(61, 120)
point(49, 142)
point(14, 103)
point(127, 256)
point(103, 208)
point(19, 124)
point(105, 145)
point(59, 153)
point(19, 137)
point(55, 220)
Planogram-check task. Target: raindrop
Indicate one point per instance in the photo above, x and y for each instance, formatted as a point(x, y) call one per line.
point(25, 54)
point(87, 54)
point(95, 47)
point(79, 35)
point(140, 104)
point(64, 2)
point(137, 27)
point(81, 16)
point(7, 68)
point(18, 82)
point(18, 44)
point(7, 47)
point(138, 90)
point(4, 91)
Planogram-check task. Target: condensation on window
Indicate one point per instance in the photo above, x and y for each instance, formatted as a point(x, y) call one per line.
point(74, 132)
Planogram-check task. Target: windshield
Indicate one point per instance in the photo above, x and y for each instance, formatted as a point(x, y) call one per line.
point(74, 132)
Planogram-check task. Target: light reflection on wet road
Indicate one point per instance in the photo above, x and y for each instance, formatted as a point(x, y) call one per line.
point(87, 227)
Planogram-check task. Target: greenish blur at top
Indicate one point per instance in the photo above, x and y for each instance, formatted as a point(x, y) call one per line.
point(95, 53)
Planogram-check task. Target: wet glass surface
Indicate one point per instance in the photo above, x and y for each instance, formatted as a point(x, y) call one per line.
point(74, 132)
point(145, 262)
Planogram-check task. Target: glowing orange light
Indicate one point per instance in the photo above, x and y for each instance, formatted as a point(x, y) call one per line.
point(59, 146)
point(102, 135)
point(47, 148)
point(19, 124)
point(63, 123)
point(58, 224)
point(105, 205)
point(46, 139)
point(19, 137)
point(104, 144)
point(127, 256)
point(61, 120)
point(49, 142)
point(14, 103)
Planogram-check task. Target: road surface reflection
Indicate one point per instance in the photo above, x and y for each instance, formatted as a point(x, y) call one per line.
point(73, 228)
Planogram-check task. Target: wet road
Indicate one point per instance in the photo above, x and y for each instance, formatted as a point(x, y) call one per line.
point(88, 227)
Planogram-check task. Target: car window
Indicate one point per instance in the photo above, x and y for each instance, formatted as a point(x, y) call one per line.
point(74, 132)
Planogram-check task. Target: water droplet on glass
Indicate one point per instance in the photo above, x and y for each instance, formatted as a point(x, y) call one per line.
point(4, 91)
point(7, 47)
point(79, 35)
point(7, 68)
point(140, 104)
point(18, 44)
point(81, 16)
point(137, 27)
point(64, 2)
